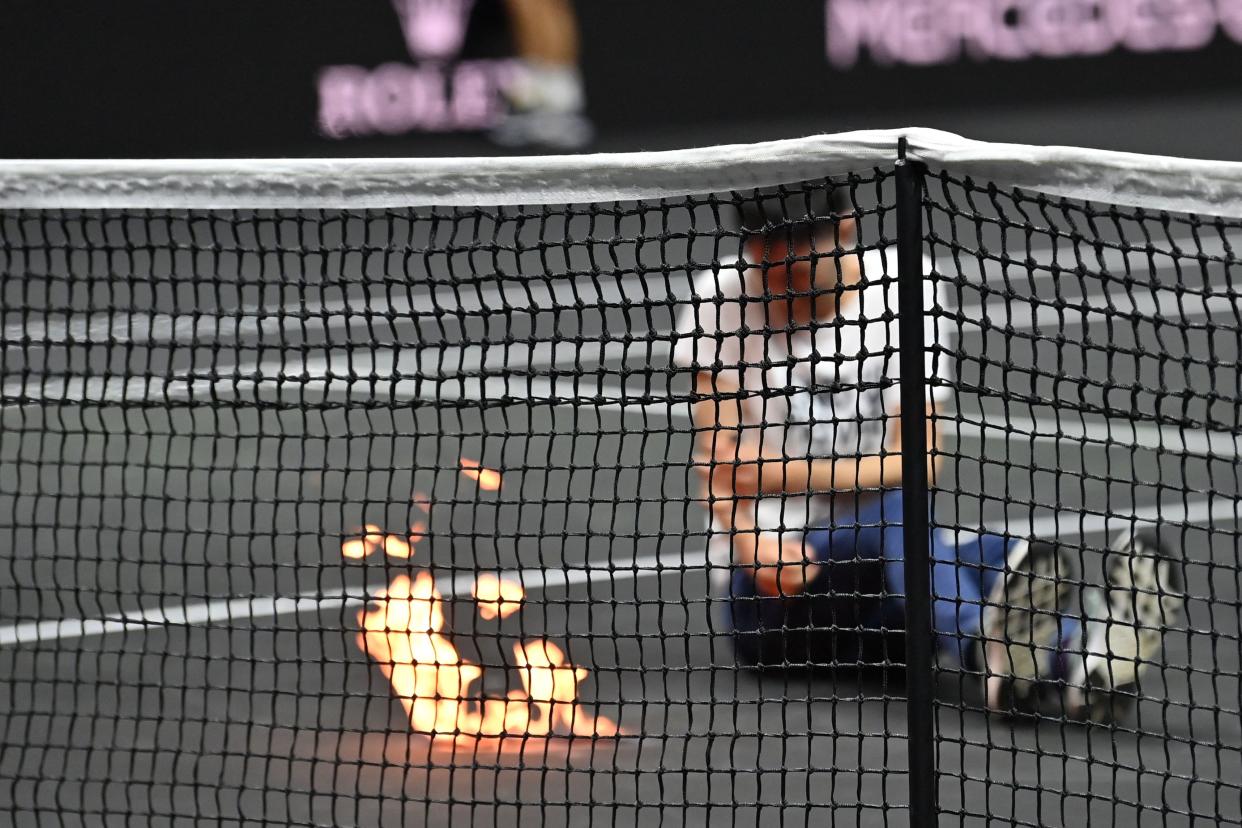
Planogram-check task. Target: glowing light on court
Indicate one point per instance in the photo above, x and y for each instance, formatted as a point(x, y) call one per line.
point(359, 548)
point(404, 631)
point(488, 479)
point(397, 547)
point(497, 597)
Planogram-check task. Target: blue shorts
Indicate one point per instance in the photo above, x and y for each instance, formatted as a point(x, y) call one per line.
point(860, 589)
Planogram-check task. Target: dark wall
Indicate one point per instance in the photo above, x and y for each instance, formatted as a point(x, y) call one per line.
point(238, 77)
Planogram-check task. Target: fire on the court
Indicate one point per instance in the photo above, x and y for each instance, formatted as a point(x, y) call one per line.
point(404, 631)
point(489, 480)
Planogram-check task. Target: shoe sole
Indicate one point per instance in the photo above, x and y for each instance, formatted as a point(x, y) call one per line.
point(1022, 641)
point(1144, 594)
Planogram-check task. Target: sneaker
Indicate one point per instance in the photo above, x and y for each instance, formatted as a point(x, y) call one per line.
point(546, 109)
point(1123, 626)
point(555, 130)
point(1022, 626)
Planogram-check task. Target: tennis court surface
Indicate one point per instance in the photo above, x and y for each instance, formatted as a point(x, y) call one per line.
point(366, 495)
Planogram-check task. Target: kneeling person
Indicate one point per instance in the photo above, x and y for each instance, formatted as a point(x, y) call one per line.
point(794, 347)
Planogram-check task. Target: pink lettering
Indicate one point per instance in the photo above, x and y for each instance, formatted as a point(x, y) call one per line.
point(1003, 41)
point(1157, 25)
point(396, 98)
point(431, 98)
point(1195, 24)
point(1146, 29)
point(388, 99)
point(1231, 18)
point(936, 31)
point(338, 96)
point(926, 39)
point(1051, 26)
point(474, 99)
point(434, 29)
point(853, 25)
point(1096, 32)
point(975, 28)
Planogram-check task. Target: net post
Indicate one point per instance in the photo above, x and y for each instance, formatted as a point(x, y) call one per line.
point(915, 518)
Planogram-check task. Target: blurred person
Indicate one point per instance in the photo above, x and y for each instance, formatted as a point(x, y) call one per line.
point(546, 97)
point(797, 424)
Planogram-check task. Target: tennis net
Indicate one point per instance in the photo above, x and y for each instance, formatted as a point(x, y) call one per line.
point(880, 478)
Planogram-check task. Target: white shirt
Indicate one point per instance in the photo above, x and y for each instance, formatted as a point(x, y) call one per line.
point(828, 391)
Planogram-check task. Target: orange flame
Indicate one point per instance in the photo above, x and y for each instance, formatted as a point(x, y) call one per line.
point(488, 479)
point(497, 597)
point(355, 548)
point(403, 636)
point(552, 685)
point(404, 633)
point(397, 547)
point(359, 548)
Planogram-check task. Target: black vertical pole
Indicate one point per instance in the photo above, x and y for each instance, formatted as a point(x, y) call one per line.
point(916, 534)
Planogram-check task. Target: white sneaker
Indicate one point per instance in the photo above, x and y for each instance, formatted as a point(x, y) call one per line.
point(546, 108)
point(1124, 622)
point(1022, 626)
point(556, 130)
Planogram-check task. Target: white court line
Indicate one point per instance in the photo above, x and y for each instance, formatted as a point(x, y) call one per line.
point(1026, 314)
point(183, 615)
point(589, 391)
point(1112, 433)
point(517, 293)
point(1210, 511)
point(430, 366)
point(447, 362)
point(255, 327)
point(429, 304)
point(434, 366)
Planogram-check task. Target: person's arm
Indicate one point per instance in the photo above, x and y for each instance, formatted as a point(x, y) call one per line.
point(759, 475)
point(778, 562)
point(779, 566)
point(872, 471)
point(716, 414)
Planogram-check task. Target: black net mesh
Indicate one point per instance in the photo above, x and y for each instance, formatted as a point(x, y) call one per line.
point(594, 513)
point(1092, 368)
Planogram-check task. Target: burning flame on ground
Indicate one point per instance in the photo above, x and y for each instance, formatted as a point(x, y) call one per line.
point(488, 479)
point(405, 634)
point(497, 597)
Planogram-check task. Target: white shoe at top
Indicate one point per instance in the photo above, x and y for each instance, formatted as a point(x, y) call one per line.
point(1124, 622)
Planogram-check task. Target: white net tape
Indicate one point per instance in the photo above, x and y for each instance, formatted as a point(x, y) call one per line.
point(1149, 181)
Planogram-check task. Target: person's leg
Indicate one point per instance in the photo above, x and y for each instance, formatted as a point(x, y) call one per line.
point(965, 569)
point(810, 608)
point(767, 629)
point(960, 575)
point(1084, 643)
point(962, 572)
point(547, 97)
point(999, 605)
point(1012, 608)
point(545, 31)
point(1126, 606)
point(852, 548)
point(957, 577)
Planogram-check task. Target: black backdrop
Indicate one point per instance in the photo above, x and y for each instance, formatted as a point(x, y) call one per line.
point(237, 77)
